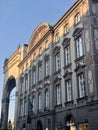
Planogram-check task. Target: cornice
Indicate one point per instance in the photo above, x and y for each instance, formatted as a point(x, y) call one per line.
point(68, 12)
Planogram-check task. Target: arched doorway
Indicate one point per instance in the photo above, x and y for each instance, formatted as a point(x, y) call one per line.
point(39, 125)
point(10, 84)
point(69, 122)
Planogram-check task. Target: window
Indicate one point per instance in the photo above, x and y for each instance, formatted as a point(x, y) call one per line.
point(79, 47)
point(34, 56)
point(57, 37)
point(77, 18)
point(66, 28)
point(21, 109)
point(81, 85)
point(47, 98)
point(29, 79)
point(67, 55)
point(34, 104)
point(40, 73)
point(39, 101)
point(25, 108)
point(46, 44)
point(34, 76)
point(57, 62)
point(22, 87)
point(40, 50)
point(68, 90)
point(46, 68)
point(26, 83)
point(58, 95)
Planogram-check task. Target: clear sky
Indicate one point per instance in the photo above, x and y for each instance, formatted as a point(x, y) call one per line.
point(19, 18)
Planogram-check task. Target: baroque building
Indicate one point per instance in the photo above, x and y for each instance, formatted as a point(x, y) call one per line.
point(55, 75)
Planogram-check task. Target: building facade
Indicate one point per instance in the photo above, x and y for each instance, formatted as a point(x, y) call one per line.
point(56, 74)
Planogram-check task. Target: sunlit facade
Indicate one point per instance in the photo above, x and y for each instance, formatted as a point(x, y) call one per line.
point(57, 86)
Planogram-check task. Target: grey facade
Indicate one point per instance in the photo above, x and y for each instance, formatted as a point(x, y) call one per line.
point(57, 77)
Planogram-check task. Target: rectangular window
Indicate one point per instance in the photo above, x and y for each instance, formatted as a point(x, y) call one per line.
point(22, 87)
point(40, 50)
point(46, 68)
point(79, 47)
point(57, 37)
point(33, 103)
point(46, 44)
point(77, 18)
point(25, 108)
point(58, 94)
point(81, 85)
point(29, 79)
point(68, 90)
point(67, 55)
point(57, 62)
point(34, 77)
point(26, 83)
point(40, 73)
point(39, 102)
point(47, 99)
point(66, 28)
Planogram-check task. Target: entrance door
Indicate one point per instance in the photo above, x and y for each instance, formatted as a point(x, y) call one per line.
point(39, 125)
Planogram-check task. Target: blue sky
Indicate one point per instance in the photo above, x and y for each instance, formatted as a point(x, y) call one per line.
point(19, 18)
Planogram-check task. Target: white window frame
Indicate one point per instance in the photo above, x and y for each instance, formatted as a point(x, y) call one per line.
point(26, 83)
point(34, 104)
point(39, 72)
point(67, 55)
point(57, 37)
point(77, 18)
point(46, 68)
point(68, 90)
point(58, 95)
point(66, 28)
point(39, 101)
point(47, 98)
point(57, 62)
point(81, 85)
point(34, 77)
point(46, 44)
point(79, 47)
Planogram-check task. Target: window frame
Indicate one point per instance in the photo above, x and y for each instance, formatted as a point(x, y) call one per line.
point(68, 97)
point(80, 93)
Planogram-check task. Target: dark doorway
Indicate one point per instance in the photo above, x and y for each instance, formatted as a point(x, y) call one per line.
point(39, 125)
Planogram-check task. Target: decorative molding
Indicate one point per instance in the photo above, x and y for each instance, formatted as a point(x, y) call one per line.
point(56, 79)
point(79, 66)
point(77, 32)
point(56, 49)
point(66, 42)
point(67, 73)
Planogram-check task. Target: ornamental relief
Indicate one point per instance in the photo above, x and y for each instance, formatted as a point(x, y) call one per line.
point(38, 34)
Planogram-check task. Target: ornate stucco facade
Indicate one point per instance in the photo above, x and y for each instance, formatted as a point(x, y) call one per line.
point(56, 74)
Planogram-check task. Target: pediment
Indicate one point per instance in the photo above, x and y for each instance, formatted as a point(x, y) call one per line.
point(77, 32)
point(38, 33)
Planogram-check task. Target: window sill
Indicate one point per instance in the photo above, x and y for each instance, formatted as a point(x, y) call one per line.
point(58, 106)
point(78, 59)
point(76, 24)
point(39, 82)
point(65, 34)
point(67, 66)
point(46, 77)
point(82, 98)
point(46, 108)
point(57, 72)
point(69, 102)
